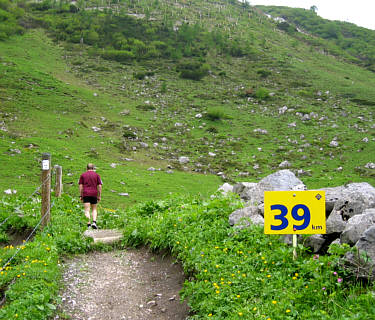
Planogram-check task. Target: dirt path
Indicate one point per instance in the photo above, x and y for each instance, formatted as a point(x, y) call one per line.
point(127, 284)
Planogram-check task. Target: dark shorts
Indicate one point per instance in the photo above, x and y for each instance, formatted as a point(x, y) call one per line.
point(92, 200)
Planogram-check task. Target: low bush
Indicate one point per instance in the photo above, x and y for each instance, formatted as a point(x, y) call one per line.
point(118, 55)
point(143, 74)
point(264, 73)
point(215, 115)
point(193, 70)
point(262, 94)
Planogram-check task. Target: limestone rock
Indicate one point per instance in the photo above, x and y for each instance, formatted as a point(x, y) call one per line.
point(283, 180)
point(363, 263)
point(183, 160)
point(104, 236)
point(357, 225)
point(243, 217)
point(225, 188)
point(367, 242)
point(285, 164)
point(244, 189)
point(332, 196)
point(355, 198)
point(335, 223)
point(315, 242)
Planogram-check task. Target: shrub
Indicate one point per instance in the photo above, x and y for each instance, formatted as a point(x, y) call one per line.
point(118, 55)
point(264, 73)
point(143, 74)
point(215, 115)
point(145, 107)
point(129, 135)
point(285, 26)
point(212, 130)
point(262, 94)
point(193, 70)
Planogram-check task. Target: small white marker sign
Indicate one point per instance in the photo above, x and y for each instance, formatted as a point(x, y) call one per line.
point(45, 164)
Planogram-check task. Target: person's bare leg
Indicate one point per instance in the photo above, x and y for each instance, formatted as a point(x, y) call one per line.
point(94, 212)
point(87, 211)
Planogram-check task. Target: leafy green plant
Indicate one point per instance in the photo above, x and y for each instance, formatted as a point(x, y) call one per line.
point(262, 94)
point(215, 115)
point(193, 70)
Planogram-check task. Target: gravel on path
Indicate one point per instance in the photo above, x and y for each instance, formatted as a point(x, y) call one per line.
point(128, 284)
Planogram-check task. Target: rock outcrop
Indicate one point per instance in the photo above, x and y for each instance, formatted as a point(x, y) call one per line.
point(350, 212)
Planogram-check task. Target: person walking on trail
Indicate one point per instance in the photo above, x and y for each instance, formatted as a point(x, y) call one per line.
point(90, 188)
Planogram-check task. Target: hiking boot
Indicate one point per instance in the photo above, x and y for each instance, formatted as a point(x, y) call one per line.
point(94, 226)
point(88, 225)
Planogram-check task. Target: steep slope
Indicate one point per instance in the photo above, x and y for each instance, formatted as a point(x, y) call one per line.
point(343, 38)
point(264, 98)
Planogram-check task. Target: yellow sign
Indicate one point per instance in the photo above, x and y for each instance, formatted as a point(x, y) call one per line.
point(294, 212)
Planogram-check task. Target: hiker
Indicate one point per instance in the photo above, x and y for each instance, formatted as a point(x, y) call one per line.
point(90, 188)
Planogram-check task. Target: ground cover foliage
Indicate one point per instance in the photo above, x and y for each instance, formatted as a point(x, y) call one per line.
point(29, 283)
point(231, 273)
point(244, 274)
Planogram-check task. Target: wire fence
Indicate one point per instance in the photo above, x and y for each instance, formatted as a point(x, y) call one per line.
point(28, 238)
point(16, 211)
point(24, 202)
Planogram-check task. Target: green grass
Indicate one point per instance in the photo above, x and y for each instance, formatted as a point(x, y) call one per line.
point(244, 274)
point(54, 102)
point(59, 121)
point(52, 94)
point(231, 273)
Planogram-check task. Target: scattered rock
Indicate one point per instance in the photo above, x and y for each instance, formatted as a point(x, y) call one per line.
point(243, 217)
point(285, 164)
point(315, 242)
point(334, 144)
point(183, 160)
point(354, 199)
point(335, 223)
point(10, 191)
point(283, 180)
point(225, 188)
point(356, 226)
point(125, 112)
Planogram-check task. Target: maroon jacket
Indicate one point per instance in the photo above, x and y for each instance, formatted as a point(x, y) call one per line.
point(90, 181)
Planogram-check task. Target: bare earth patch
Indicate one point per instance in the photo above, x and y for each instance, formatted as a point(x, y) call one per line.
point(128, 284)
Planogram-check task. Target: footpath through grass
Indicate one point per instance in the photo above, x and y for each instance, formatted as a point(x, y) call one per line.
point(231, 273)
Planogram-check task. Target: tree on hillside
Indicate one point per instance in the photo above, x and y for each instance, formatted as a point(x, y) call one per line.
point(314, 8)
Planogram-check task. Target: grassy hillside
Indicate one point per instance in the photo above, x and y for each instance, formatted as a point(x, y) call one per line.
point(46, 109)
point(343, 38)
point(265, 99)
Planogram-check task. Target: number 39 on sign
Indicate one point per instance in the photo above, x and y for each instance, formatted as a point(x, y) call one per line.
point(294, 212)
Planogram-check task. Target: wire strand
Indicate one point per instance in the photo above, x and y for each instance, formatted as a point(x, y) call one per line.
point(28, 238)
point(23, 203)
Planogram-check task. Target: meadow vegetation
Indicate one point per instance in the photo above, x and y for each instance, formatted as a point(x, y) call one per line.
point(231, 273)
point(134, 85)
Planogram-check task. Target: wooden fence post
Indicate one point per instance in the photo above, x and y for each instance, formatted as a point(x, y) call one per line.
point(46, 188)
point(58, 184)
